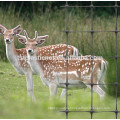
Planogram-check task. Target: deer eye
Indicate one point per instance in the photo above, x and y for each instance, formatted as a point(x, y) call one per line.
point(13, 34)
point(36, 44)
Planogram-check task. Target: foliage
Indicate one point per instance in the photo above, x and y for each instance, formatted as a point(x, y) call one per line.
point(30, 7)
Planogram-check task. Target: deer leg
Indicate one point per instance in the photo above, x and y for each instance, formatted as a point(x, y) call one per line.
point(53, 89)
point(99, 91)
point(96, 88)
point(63, 93)
point(30, 88)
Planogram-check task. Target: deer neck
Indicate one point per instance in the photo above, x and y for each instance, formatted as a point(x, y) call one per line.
point(11, 53)
point(37, 66)
point(35, 63)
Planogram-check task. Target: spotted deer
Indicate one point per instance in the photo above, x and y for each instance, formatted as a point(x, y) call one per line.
point(53, 71)
point(21, 65)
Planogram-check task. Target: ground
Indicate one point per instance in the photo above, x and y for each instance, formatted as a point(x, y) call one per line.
point(14, 102)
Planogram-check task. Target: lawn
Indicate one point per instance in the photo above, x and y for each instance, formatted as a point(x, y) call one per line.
point(14, 102)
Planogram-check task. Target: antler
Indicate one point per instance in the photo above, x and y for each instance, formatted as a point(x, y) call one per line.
point(36, 34)
point(40, 37)
point(26, 35)
point(43, 37)
point(21, 36)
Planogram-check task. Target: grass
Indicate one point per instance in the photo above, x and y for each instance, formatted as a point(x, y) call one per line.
point(14, 102)
point(13, 95)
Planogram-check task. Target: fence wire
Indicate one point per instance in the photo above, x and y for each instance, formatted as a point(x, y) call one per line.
point(92, 31)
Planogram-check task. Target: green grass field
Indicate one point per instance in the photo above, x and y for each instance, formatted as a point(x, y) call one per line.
point(14, 102)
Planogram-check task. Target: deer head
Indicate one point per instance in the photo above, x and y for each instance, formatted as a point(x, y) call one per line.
point(9, 34)
point(31, 44)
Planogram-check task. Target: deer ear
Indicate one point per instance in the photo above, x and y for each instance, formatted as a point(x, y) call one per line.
point(18, 31)
point(40, 41)
point(21, 40)
point(2, 29)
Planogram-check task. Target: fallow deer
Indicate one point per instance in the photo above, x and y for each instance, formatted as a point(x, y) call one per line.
point(53, 72)
point(21, 65)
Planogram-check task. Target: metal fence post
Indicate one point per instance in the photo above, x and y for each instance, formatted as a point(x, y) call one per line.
point(92, 32)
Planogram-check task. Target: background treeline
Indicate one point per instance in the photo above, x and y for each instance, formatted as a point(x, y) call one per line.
point(31, 7)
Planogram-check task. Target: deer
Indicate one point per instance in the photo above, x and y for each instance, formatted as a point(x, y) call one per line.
point(53, 71)
point(22, 65)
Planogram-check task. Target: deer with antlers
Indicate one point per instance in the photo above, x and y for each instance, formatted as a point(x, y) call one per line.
point(53, 72)
point(21, 65)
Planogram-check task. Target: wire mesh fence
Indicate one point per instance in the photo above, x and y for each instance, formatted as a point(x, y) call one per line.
point(116, 57)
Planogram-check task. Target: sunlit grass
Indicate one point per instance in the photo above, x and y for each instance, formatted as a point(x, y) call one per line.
point(14, 102)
